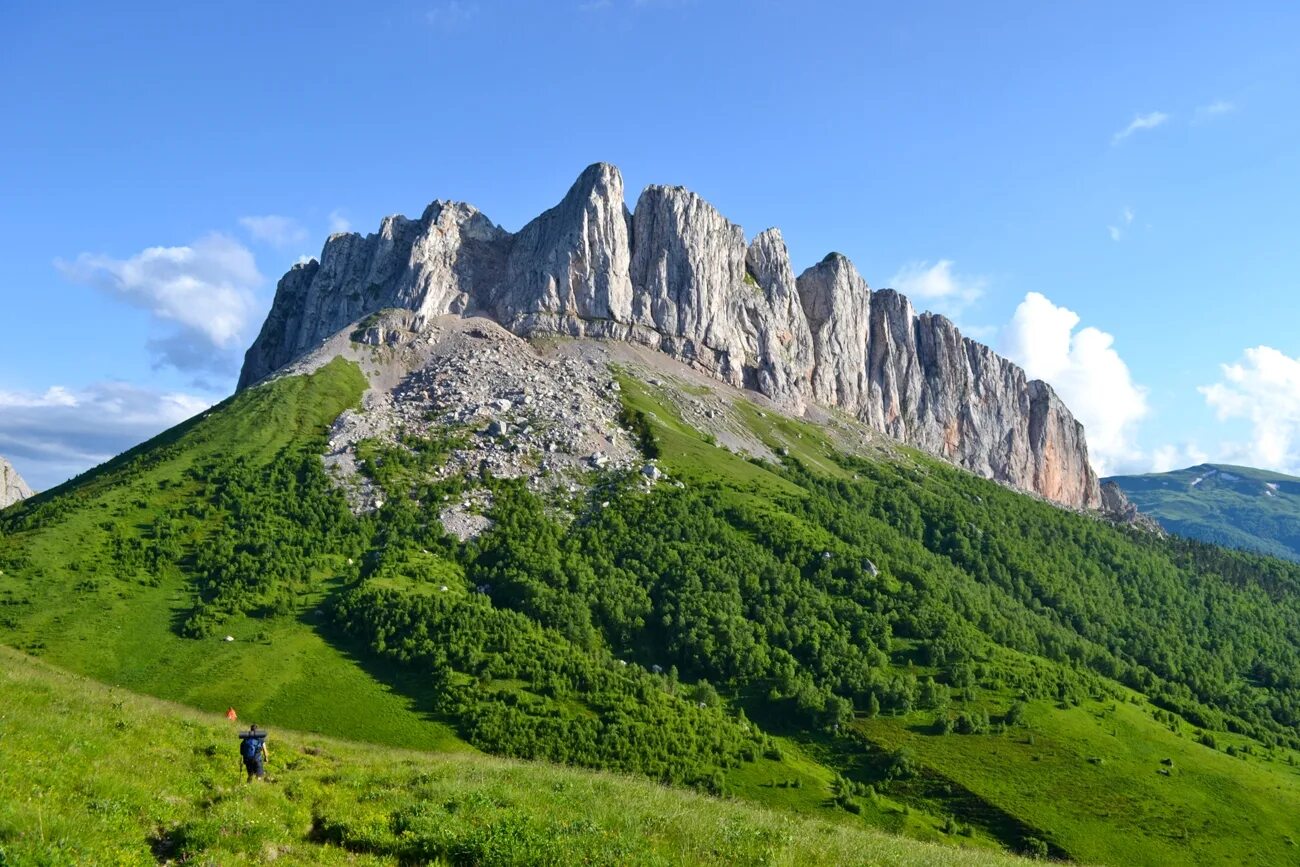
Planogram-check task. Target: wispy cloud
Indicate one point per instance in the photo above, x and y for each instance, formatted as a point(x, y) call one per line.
point(1176, 456)
point(451, 14)
point(1140, 123)
point(1126, 220)
point(53, 435)
point(938, 287)
point(203, 291)
point(1215, 109)
point(274, 229)
point(339, 221)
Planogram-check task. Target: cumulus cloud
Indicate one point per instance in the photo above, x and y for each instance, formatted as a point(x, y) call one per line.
point(275, 230)
point(1084, 368)
point(203, 292)
point(1263, 389)
point(937, 287)
point(1139, 123)
point(54, 435)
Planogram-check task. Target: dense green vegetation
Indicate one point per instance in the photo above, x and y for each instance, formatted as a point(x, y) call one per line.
point(1239, 507)
point(891, 642)
point(93, 775)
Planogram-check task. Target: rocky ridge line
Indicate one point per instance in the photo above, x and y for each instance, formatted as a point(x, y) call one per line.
point(676, 276)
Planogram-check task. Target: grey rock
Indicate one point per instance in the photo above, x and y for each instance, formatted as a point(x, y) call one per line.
point(12, 486)
point(677, 276)
point(569, 267)
point(1116, 506)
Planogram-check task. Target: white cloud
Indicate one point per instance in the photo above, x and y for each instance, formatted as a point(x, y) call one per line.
point(339, 221)
point(1140, 122)
point(937, 287)
point(1214, 109)
point(275, 230)
point(1086, 371)
point(204, 289)
point(54, 435)
point(1176, 457)
point(1263, 388)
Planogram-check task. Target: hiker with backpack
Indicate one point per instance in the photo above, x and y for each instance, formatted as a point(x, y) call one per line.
point(252, 748)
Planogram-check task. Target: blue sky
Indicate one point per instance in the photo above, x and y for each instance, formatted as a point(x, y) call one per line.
point(1106, 192)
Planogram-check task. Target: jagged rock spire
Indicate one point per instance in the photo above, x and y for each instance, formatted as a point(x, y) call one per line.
point(12, 486)
point(676, 275)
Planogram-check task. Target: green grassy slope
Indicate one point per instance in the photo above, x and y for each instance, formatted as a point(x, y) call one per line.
point(1092, 780)
point(846, 612)
point(68, 594)
point(1103, 781)
point(1241, 507)
point(65, 594)
point(95, 775)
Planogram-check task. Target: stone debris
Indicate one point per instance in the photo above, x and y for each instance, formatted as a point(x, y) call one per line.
point(506, 409)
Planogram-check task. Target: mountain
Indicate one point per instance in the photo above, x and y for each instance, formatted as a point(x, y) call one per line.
point(12, 486)
point(618, 492)
point(1241, 507)
point(434, 534)
point(675, 276)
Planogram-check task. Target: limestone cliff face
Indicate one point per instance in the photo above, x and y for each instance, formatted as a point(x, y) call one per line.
point(12, 486)
point(676, 275)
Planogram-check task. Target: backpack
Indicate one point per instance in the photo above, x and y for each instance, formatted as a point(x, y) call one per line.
point(249, 747)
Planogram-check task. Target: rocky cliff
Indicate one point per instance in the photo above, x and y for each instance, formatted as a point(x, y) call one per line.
point(12, 486)
point(675, 275)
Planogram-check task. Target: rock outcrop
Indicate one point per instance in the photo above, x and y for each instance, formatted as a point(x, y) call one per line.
point(676, 275)
point(12, 486)
point(1116, 505)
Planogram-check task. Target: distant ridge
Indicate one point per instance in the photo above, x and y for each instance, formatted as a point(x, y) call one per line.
point(1241, 507)
point(677, 276)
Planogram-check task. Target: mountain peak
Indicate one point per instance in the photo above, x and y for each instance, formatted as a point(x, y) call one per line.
point(12, 486)
point(675, 275)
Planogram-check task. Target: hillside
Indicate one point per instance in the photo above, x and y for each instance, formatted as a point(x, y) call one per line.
point(858, 633)
point(96, 775)
point(1241, 507)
